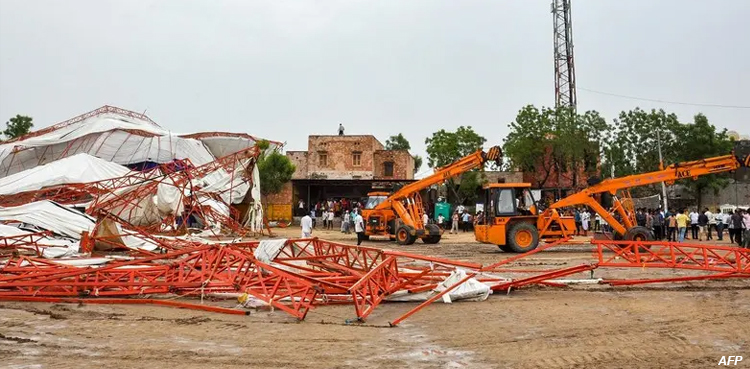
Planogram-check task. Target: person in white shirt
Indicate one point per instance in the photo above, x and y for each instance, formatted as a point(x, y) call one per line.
point(585, 218)
point(694, 224)
point(441, 220)
point(301, 207)
point(307, 226)
point(711, 224)
point(729, 226)
point(330, 219)
point(359, 227)
point(425, 219)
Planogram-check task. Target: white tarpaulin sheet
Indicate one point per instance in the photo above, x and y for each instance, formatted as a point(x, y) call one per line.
point(50, 247)
point(268, 250)
point(112, 137)
point(80, 168)
point(232, 187)
point(50, 216)
point(471, 290)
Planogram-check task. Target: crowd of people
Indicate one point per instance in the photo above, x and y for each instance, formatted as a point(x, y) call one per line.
point(672, 226)
point(691, 224)
point(703, 225)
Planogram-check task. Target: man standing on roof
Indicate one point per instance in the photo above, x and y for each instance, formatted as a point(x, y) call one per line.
point(341, 129)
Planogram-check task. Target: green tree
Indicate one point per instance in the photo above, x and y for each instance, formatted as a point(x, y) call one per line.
point(701, 140)
point(18, 126)
point(546, 141)
point(445, 147)
point(399, 142)
point(275, 170)
point(634, 144)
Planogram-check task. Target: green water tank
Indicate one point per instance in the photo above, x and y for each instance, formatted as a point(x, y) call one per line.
point(443, 208)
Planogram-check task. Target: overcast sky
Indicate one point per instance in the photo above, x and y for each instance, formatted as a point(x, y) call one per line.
point(286, 69)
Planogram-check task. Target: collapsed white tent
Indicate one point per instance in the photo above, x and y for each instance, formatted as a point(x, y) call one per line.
point(108, 133)
point(50, 216)
point(80, 168)
point(225, 143)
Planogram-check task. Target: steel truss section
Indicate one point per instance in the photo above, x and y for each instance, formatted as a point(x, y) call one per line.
point(304, 273)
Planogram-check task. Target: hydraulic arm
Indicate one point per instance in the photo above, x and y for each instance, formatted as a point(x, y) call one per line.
point(691, 169)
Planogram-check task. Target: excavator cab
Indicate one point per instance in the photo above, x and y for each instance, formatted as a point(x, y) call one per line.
point(375, 198)
point(510, 217)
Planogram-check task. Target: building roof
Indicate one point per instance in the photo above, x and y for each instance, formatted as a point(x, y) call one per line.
point(507, 185)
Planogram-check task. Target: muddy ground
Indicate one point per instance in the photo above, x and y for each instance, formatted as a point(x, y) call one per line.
point(689, 325)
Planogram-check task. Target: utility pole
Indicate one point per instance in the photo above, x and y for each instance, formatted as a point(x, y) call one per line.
point(565, 74)
point(661, 167)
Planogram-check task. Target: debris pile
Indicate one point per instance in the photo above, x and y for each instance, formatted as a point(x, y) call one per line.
point(113, 180)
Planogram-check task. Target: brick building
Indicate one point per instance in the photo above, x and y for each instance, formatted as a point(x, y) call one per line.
point(555, 184)
point(336, 167)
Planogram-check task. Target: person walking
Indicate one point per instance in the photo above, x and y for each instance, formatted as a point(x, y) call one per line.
point(729, 226)
point(465, 220)
point(585, 219)
point(577, 219)
point(331, 214)
point(702, 226)
point(359, 228)
point(671, 227)
point(682, 222)
point(441, 221)
point(658, 225)
point(346, 221)
point(307, 226)
point(737, 226)
point(693, 224)
point(454, 223)
point(746, 229)
point(719, 220)
point(711, 227)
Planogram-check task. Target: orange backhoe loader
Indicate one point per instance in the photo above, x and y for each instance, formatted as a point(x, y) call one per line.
point(399, 215)
point(514, 222)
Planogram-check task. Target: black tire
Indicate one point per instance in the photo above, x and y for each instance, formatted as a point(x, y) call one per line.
point(639, 233)
point(522, 237)
point(505, 248)
point(403, 235)
point(431, 239)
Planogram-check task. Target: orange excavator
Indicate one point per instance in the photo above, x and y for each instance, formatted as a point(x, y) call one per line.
point(514, 222)
point(399, 215)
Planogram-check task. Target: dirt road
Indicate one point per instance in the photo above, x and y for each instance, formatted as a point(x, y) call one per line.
point(689, 325)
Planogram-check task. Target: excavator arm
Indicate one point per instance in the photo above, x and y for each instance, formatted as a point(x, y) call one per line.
point(465, 164)
point(691, 169)
point(406, 201)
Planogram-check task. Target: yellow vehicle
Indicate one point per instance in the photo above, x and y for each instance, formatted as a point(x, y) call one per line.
point(399, 215)
point(514, 222)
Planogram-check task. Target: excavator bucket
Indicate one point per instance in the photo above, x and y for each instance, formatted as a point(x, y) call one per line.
point(494, 154)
